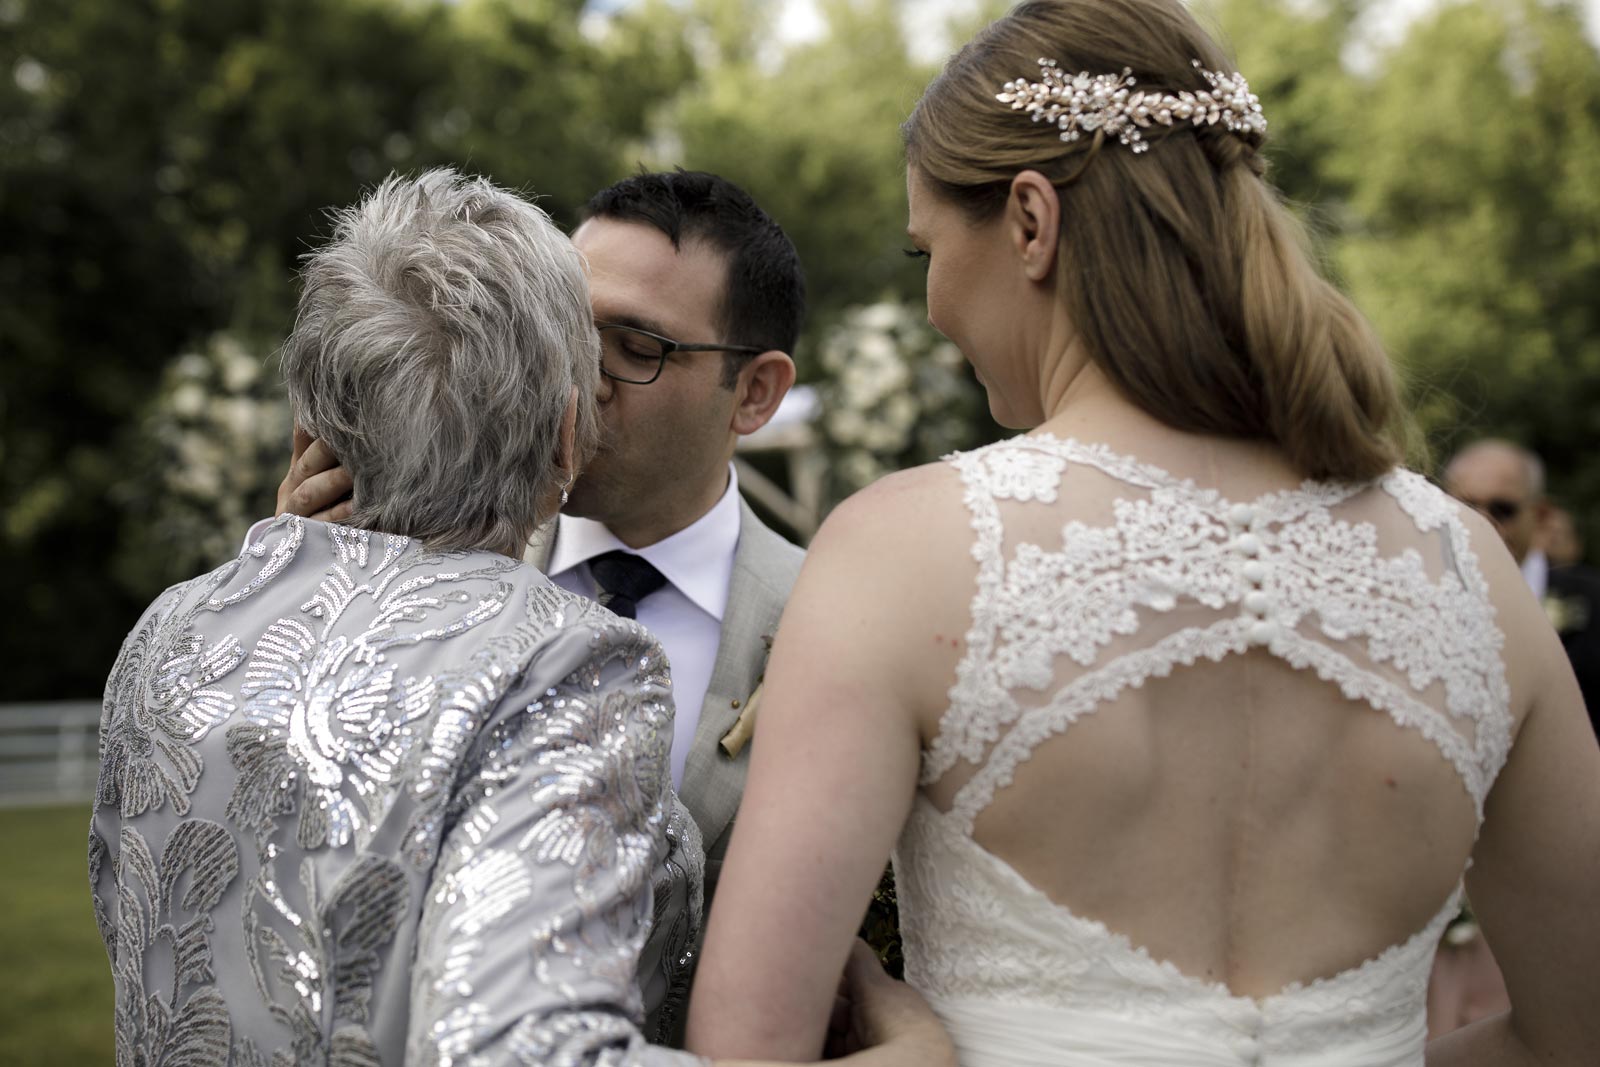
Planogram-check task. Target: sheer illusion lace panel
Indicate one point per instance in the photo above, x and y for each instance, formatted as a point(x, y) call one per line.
point(1263, 766)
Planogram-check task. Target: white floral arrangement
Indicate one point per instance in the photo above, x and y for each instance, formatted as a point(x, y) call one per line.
point(897, 394)
point(216, 444)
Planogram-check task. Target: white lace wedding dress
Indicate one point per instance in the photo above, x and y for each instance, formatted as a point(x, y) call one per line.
point(1373, 589)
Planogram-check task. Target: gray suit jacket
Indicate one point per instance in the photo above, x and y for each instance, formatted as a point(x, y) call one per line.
point(765, 567)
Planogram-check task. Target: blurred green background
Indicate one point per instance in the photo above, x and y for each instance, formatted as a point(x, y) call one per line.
point(164, 163)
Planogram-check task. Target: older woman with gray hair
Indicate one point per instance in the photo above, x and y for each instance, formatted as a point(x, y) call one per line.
point(379, 792)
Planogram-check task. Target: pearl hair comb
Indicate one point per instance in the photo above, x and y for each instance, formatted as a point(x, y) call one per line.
point(1085, 103)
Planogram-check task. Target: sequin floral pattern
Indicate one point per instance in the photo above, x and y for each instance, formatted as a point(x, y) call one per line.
point(590, 753)
point(165, 901)
point(162, 698)
point(352, 788)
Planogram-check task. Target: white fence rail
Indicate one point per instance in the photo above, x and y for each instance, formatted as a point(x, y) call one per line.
point(48, 752)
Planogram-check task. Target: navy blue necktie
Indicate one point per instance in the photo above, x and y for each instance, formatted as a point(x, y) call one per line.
point(624, 580)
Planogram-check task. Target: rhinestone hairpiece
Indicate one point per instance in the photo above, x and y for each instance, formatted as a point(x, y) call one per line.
point(1085, 103)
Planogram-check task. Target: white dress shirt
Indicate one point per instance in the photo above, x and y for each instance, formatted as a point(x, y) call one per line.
point(685, 614)
point(1536, 571)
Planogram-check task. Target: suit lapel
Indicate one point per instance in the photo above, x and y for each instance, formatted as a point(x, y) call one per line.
point(764, 569)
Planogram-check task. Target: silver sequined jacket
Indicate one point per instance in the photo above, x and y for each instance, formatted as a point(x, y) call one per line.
point(365, 803)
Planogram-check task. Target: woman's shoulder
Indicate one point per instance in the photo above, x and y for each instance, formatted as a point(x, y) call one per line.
point(894, 506)
point(907, 530)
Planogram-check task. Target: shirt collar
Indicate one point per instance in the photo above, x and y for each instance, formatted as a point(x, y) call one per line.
point(697, 560)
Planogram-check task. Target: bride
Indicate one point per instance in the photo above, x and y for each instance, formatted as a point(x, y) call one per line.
point(1193, 714)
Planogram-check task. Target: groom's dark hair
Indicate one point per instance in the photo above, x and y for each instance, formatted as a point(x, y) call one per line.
point(765, 299)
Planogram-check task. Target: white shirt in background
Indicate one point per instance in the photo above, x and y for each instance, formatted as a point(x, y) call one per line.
point(1536, 572)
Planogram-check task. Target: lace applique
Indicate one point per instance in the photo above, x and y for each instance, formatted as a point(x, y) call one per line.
point(1022, 474)
point(1279, 563)
point(1083, 697)
point(1283, 575)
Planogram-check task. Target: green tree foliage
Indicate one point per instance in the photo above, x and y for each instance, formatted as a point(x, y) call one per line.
point(164, 163)
point(813, 133)
point(1476, 182)
point(1293, 56)
point(1457, 189)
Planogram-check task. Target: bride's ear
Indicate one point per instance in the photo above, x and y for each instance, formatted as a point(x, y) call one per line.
point(1033, 223)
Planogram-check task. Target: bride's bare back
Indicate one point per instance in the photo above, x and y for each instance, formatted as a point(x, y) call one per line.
point(1231, 732)
point(1162, 731)
point(1242, 720)
point(1245, 721)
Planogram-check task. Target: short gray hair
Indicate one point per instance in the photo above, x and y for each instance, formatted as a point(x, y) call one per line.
point(440, 334)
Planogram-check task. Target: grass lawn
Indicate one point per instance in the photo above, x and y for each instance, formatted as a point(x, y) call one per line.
point(55, 982)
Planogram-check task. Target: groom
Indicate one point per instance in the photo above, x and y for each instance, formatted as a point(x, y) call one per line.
point(700, 297)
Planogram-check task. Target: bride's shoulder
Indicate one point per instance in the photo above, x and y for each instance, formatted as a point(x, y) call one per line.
point(902, 493)
point(902, 516)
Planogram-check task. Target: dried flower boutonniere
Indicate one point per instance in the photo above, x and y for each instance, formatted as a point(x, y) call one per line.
point(744, 726)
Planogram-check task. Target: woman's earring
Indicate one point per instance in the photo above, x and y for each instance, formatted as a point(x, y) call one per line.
point(566, 492)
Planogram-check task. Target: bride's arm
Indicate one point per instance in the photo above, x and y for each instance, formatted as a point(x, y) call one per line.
point(541, 900)
point(1535, 880)
point(833, 772)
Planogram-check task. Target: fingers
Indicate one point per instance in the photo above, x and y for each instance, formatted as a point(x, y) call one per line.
point(324, 496)
point(338, 513)
point(316, 487)
point(314, 459)
point(889, 1012)
point(840, 1040)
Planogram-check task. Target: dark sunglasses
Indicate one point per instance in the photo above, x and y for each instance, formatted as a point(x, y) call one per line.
point(636, 356)
point(1497, 508)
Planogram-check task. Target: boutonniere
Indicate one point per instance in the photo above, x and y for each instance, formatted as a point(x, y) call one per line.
point(1566, 613)
point(744, 726)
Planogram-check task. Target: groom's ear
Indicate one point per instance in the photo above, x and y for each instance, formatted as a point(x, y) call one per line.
point(1033, 223)
point(763, 383)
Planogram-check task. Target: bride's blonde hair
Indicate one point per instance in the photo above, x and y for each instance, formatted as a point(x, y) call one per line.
point(1188, 280)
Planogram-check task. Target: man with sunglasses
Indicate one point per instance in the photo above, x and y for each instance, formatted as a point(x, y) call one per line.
point(1506, 483)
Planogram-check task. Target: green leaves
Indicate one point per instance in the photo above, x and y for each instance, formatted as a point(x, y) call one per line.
point(164, 165)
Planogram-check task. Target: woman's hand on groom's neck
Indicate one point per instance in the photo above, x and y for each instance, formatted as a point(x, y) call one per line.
point(316, 486)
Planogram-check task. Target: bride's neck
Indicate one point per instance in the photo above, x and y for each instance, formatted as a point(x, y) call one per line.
point(1076, 394)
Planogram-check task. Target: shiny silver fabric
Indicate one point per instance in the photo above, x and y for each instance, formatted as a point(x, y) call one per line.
point(365, 803)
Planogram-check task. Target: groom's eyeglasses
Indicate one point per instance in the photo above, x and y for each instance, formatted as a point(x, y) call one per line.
point(637, 356)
